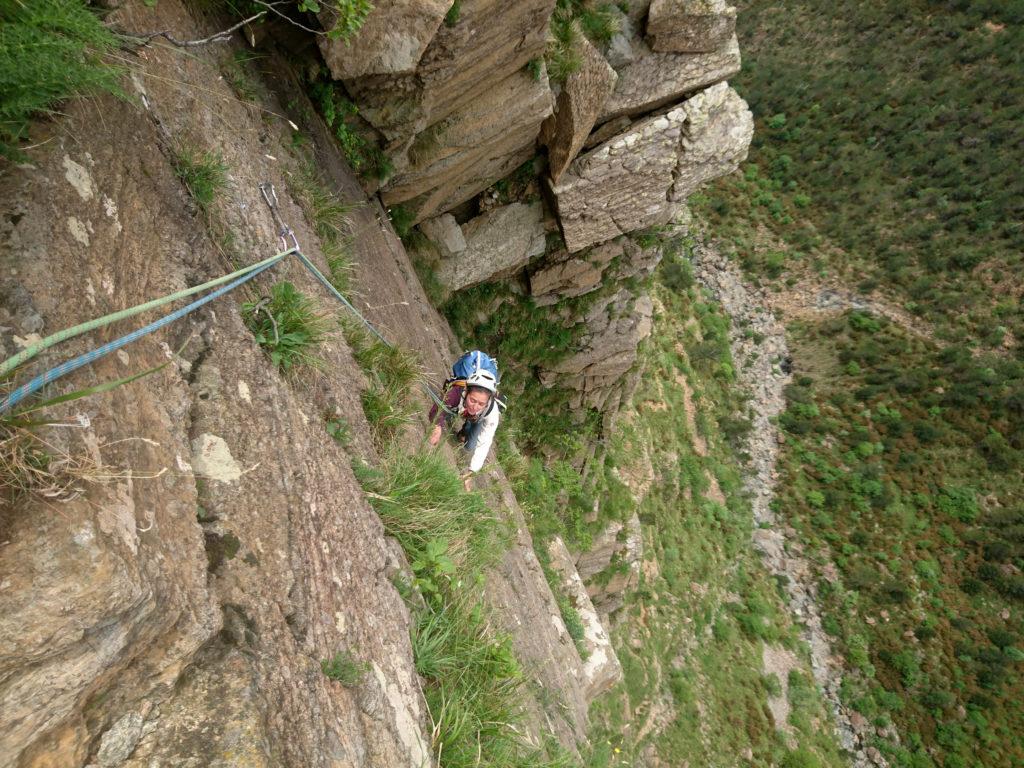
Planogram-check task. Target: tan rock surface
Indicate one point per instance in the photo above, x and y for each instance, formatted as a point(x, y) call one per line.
point(470, 149)
point(656, 79)
point(391, 40)
point(492, 40)
point(642, 177)
point(601, 669)
point(500, 242)
point(578, 105)
point(112, 605)
point(690, 26)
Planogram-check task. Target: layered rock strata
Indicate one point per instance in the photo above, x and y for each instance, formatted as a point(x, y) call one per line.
point(642, 177)
point(689, 26)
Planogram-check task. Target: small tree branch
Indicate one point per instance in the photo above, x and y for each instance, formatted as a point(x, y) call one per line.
point(219, 37)
point(272, 8)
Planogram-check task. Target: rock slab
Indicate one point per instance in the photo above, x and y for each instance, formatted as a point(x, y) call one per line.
point(690, 26)
point(577, 108)
point(391, 40)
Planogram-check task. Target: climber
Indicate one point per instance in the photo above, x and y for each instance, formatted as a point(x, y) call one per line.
point(471, 393)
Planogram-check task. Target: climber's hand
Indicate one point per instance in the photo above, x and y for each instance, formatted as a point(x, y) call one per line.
point(435, 435)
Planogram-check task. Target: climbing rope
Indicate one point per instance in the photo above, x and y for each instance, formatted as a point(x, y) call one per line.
point(233, 280)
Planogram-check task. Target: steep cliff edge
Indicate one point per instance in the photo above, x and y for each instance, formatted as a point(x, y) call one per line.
point(178, 609)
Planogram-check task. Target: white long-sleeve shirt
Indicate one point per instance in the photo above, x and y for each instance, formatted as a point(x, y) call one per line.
point(484, 439)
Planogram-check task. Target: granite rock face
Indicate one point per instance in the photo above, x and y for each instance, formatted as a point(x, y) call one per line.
point(690, 26)
point(391, 40)
point(656, 79)
point(642, 177)
point(578, 105)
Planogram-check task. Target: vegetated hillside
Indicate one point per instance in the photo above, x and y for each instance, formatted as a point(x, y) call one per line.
point(881, 207)
point(714, 671)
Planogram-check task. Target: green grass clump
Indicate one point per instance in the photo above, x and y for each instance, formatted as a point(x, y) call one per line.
point(402, 219)
point(50, 51)
point(345, 669)
point(421, 499)
point(452, 17)
point(472, 680)
point(393, 375)
point(562, 55)
point(204, 174)
point(340, 113)
point(289, 326)
point(330, 218)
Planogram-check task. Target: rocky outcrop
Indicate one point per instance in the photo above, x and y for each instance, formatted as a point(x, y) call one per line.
point(601, 667)
point(469, 113)
point(391, 40)
point(494, 245)
point(160, 599)
point(642, 177)
point(463, 154)
point(576, 110)
point(611, 567)
point(607, 328)
point(653, 80)
point(690, 26)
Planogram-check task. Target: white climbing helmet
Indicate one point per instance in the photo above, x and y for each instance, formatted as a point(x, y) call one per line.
point(484, 380)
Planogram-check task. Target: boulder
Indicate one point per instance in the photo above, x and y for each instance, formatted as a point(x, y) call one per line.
point(470, 149)
point(718, 130)
point(565, 275)
point(690, 26)
point(619, 547)
point(622, 185)
point(641, 178)
point(601, 668)
point(498, 243)
point(445, 233)
point(391, 40)
point(656, 79)
point(578, 105)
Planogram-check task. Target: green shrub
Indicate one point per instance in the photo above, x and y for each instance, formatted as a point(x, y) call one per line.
point(204, 174)
point(289, 326)
point(452, 17)
point(348, 15)
point(50, 51)
point(345, 669)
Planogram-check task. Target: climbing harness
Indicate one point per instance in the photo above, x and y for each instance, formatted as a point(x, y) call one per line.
point(224, 284)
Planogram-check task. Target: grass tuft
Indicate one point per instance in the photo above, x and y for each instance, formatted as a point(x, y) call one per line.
point(289, 326)
point(330, 218)
point(345, 668)
point(50, 51)
point(393, 373)
point(204, 174)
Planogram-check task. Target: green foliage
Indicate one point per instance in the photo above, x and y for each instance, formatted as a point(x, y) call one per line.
point(289, 326)
point(536, 69)
point(362, 154)
point(452, 17)
point(204, 174)
point(348, 15)
point(393, 373)
point(50, 51)
point(339, 429)
point(402, 220)
point(330, 219)
point(345, 669)
point(472, 681)
point(236, 73)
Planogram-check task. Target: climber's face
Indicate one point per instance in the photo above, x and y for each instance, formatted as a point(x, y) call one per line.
point(475, 402)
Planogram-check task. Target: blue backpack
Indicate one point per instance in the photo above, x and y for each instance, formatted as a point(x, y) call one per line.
point(474, 361)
